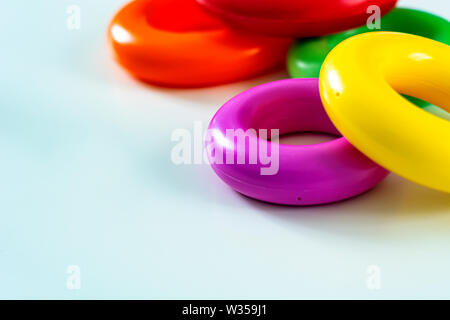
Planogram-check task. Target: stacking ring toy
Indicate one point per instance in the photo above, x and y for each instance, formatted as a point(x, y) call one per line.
point(175, 43)
point(360, 82)
point(299, 18)
point(306, 56)
point(279, 173)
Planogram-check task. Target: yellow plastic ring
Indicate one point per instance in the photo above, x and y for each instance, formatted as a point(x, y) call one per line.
point(360, 84)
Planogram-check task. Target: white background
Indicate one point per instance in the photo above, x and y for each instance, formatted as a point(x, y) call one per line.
point(86, 180)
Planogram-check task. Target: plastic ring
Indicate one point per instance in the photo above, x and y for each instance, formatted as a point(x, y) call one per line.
point(175, 43)
point(292, 175)
point(360, 82)
point(299, 18)
point(306, 56)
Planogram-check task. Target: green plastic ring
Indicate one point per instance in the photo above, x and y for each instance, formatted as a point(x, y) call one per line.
point(306, 56)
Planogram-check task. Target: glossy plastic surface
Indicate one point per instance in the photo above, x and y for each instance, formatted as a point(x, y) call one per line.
point(176, 43)
point(360, 82)
point(307, 174)
point(306, 56)
point(299, 18)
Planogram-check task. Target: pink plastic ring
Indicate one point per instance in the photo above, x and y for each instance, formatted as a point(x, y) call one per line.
point(285, 174)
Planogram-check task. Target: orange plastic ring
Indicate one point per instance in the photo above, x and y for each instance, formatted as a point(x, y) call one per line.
point(175, 43)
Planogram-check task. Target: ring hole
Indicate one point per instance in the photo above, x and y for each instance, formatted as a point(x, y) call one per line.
point(299, 198)
point(305, 138)
point(439, 112)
